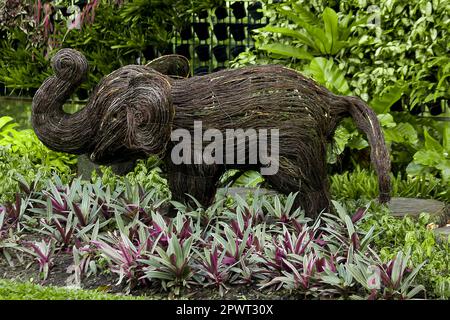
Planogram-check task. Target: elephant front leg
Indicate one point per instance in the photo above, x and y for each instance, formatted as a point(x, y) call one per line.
point(197, 181)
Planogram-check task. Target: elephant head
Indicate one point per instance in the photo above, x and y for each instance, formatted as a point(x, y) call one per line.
point(118, 121)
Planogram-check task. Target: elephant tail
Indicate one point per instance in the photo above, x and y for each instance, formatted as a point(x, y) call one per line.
point(366, 120)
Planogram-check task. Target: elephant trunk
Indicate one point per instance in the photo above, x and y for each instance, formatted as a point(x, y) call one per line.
point(71, 133)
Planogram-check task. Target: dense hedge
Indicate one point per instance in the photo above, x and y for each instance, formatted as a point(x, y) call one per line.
point(393, 54)
point(110, 34)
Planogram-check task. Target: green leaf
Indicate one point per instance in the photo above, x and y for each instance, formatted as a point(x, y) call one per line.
point(397, 269)
point(300, 17)
point(330, 20)
point(4, 120)
point(176, 247)
point(341, 138)
point(249, 179)
point(340, 210)
point(119, 222)
point(2, 217)
point(431, 143)
point(386, 120)
point(411, 294)
point(159, 275)
point(384, 102)
point(415, 169)
point(286, 50)
point(358, 275)
point(358, 143)
point(299, 35)
point(349, 225)
point(319, 36)
point(401, 133)
point(332, 280)
point(427, 157)
point(304, 15)
point(328, 74)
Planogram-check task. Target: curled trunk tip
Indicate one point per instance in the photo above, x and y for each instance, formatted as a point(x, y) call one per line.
point(70, 65)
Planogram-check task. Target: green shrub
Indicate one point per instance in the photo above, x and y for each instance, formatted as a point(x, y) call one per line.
point(386, 49)
point(363, 185)
point(146, 174)
point(407, 234)
point(22, 154)
point(111, 35)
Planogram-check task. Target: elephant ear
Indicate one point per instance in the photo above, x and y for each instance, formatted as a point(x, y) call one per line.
point(173, 65)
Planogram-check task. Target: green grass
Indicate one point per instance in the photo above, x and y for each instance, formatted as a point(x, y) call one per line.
point(12, 290)
point(362, 185)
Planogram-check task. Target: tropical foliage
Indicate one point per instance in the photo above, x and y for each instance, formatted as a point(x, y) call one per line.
point(392, 54)
point(245, 242)
point(32, 31)
point(23, 155)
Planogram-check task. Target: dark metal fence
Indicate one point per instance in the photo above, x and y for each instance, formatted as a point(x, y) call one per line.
point(215, 37)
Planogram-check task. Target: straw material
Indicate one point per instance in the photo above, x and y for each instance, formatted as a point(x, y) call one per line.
point(133, 111)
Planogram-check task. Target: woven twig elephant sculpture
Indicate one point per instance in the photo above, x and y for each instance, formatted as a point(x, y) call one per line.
point(132, 112)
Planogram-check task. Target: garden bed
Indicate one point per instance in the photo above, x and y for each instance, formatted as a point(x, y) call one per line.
point(254, 246)
point(110, 233)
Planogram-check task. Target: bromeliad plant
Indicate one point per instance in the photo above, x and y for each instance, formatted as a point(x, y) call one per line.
point(141, 253)
point(244, 213)
point(61, 229)
point(236, 244)
point(172, 266)
point(12, 213)
point(43, 252)
point(213, 268)
point(124, 256)
point(288, 245)
point(261, 241)
point(284, 213)
point(391, 280)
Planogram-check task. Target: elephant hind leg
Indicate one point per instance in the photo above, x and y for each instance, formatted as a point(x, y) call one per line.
point(311, 184)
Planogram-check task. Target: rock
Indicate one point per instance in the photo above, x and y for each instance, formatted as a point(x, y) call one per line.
point(413, 207)
point(86, 166)
point(442, 233)
point(243, 192)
